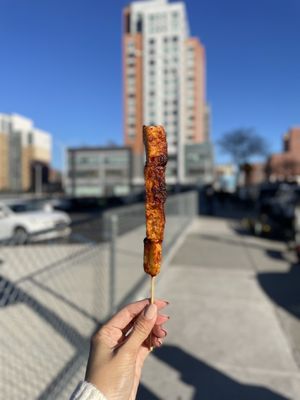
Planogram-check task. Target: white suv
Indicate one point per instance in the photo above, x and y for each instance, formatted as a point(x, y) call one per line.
point(24, 222)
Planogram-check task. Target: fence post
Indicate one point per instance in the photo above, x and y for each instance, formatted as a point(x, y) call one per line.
point(112, 262)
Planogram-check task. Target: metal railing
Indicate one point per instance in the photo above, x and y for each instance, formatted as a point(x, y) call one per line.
point(55, 293)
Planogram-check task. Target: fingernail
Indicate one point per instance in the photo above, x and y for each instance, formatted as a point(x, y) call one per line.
point(150, 311)
point(164, 331)
point(160, 342)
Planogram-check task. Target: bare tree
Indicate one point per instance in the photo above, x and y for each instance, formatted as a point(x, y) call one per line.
point(242, 145)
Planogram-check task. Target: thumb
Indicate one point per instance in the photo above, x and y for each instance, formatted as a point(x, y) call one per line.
point(142, 328)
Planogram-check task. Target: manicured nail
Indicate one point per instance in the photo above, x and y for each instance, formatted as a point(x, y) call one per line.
point(151, 311)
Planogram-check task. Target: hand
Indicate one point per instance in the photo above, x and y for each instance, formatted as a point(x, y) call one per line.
point(120, 347)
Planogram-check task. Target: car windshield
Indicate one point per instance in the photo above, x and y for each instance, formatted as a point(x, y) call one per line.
point(25, 207)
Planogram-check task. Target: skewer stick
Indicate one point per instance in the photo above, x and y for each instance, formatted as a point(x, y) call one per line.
point(151, 301)
point(152, 289)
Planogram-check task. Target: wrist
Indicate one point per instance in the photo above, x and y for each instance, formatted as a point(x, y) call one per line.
point(87, 391)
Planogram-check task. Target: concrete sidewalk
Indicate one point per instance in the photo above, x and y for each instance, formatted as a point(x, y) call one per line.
point(226, 340)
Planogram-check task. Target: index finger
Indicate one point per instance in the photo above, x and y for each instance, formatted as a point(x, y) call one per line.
point(131, 311)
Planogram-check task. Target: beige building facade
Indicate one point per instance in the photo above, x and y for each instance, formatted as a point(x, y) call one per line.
point(21, 146)
point(3, 161)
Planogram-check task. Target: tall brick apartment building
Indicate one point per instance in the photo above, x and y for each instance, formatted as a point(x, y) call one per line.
point(164, 84)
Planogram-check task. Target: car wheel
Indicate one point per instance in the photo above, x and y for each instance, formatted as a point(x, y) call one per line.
point(20, 236)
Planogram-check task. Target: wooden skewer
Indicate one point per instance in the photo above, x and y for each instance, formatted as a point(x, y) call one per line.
point(152, 291)
point(152, 288)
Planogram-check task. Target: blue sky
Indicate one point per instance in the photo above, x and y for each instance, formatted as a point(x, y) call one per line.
point(60, 65)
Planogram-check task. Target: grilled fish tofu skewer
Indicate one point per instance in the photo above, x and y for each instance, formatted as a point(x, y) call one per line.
point(156, 159)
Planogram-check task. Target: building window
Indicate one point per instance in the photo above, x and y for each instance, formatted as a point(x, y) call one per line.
point(131, 117)
point(130, 45)
point(151, 21)
point(131, 133)
point(175, 20)
point(152, 117)
point(131, 83)
point(127, 23)
point(130, 56)
point(86, 174)
point(114, 173)
point(157, 23)
point(139, 24)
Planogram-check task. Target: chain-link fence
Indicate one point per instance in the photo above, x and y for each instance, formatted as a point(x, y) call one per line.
point(55, 293)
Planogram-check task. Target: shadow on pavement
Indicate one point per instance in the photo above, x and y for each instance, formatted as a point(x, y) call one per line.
point(10, 295)
point(283, 288)
point(237, 242)
point(145, 394)
point(209, 383)
point(275, 254)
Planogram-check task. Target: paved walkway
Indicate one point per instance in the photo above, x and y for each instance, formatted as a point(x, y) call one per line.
point(228, 337)
point(59, 292)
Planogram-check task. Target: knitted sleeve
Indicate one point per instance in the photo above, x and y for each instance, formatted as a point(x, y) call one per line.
point(86, 391)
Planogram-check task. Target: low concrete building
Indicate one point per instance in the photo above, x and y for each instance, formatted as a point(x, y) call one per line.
point(99, 171)
point(199, 163)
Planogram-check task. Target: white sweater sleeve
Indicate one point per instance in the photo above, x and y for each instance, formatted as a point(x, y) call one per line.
point(86, 391)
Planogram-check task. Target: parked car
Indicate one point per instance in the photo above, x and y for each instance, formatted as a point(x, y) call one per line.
point(275, 211)
point(22, 222)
